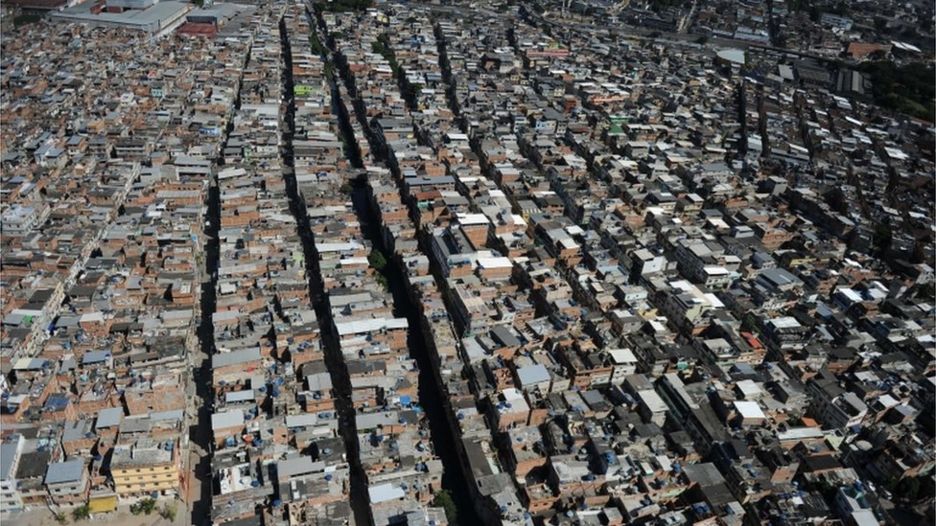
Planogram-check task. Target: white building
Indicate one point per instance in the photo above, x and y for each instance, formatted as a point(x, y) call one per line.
point(10, 453)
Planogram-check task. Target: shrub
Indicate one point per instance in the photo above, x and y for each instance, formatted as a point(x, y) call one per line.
point(145, 507)
point(168, 512)
point(81, 512)
point(382, 281)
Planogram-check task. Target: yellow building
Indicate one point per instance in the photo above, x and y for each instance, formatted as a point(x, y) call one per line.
point(102, 503)
point(146, 467)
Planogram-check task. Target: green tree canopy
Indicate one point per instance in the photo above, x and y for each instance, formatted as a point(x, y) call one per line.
point(443, 499)
point(377, 259)
point(81, 512)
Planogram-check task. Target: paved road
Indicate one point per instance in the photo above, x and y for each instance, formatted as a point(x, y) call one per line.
point(198, 496)
point(122, 517)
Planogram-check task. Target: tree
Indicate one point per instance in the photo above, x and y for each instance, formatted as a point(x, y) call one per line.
point(927, 291)
point(340, 6)
point(749, 322)
point(382, 281)
point(413, 90)
point(377, 259)
point(316, 44)
point(382, 47)
point(906, 88)
point(908, 489)
point(24, 19)
point(145, 506)
point(443, 499)
point(60, 517)
point(168, 512)
point(81, 512)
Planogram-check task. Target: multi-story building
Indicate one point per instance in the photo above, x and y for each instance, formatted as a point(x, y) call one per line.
point(10, 455)
point(146, 467)
point(68, 482)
